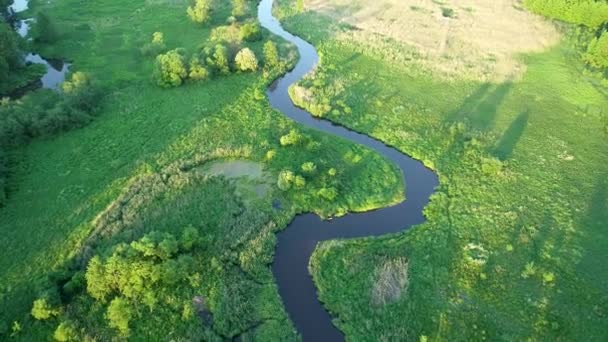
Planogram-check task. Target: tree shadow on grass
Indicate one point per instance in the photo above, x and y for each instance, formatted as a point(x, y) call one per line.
point(482, 106)
point(508, 141)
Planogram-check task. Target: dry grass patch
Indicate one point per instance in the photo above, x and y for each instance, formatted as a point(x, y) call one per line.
point(474, 39)
point(391, 281)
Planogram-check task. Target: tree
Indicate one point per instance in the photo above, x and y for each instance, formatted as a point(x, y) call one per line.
point(309, 167)
point(156, 46)
point(200, 11)
point(239, 8)
point(11, 58)
point(597, 52)
point(251, 31)
point(245, 60)
point(299, 182)
point(190, 238)
point(119, 314)
point(285, 180)
point(97, 285)
point(197, 71)
point(291, 138)
point(43, 310)
point(219, 60)
point(170, 69)
point(44, 30)
point(271, 55)
point(65, 332)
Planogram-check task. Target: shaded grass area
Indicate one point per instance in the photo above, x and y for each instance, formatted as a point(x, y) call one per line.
point(126, 174)
point(511, 247)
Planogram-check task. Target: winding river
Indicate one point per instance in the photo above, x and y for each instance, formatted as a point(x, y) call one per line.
point(297, 242)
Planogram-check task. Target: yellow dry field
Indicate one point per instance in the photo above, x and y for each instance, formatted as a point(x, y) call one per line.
point(482, 39)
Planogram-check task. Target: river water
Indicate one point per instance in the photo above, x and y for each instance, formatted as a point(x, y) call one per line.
point(297, 242)
point(56, 70)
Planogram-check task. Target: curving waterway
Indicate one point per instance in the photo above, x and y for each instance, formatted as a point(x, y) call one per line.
point(56, 70)
point(297, 242)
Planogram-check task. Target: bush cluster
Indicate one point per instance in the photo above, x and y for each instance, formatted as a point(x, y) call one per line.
point(42, 113)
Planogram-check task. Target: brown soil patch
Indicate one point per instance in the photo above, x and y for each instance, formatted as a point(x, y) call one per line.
point(482, 39)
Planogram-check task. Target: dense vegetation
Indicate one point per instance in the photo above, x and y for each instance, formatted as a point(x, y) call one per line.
point(119, 229)
point(513, 246)
point(589, 13)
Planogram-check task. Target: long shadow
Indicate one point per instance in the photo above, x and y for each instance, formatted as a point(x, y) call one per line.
point(481, 107)
point(508, 141)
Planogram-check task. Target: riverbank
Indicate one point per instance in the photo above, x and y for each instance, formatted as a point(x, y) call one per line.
point(511, 248)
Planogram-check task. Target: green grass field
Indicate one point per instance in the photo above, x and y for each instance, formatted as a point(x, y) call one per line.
point(134, 170)
point(512, 249)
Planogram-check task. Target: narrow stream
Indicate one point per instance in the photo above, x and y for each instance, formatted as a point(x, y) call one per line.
point(55, 69)
point(297, 242)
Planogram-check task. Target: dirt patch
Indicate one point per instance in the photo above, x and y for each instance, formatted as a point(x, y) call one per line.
point(390, 281)
point(470, 38)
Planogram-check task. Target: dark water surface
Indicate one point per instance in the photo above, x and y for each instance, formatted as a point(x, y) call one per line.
point(297, 242)
point(55, 69)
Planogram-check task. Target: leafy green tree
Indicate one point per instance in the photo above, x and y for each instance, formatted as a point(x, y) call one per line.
point(245, 60)
point(197, 71)
point(329, 194)
point(119, 315)
point(590, 13)
point(597, 52)
point(219, 60)
point(65, 332)
point(251, 31)
point(170, 69)
point(42, 309)
point(11, 58)
point(271, 55)
point(200, 11)
point(190, 238)
point(285, 180)
point(156, 46)
point(239, 8)
point(97, 286)
point(299, 182)
point(309, 167)
point(44, 30)
point(291, 138)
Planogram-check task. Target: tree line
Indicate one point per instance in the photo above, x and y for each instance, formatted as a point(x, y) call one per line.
point(588, 13)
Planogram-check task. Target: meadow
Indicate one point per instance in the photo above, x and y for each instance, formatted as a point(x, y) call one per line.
point(132, 189)
point(512, 249)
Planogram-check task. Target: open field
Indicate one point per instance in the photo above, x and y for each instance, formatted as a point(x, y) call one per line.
point(460, 38)
point(132, 171)
point(513, 244)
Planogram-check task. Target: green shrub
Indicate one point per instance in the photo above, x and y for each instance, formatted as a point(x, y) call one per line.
point(285, 180)
point(218, 59)
point(246, 60)
point(197, 71)
point(43, 30)
point(200, 11)
point(597, 52)
point(448, 12)
point(251, 31)
point(590, 13)
point(65, 332)
point(42, 309)
point(309, 167)
point(119, 315)
point(271, 55)
point(239, 8)
point(170, 69)
point(291, 138)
